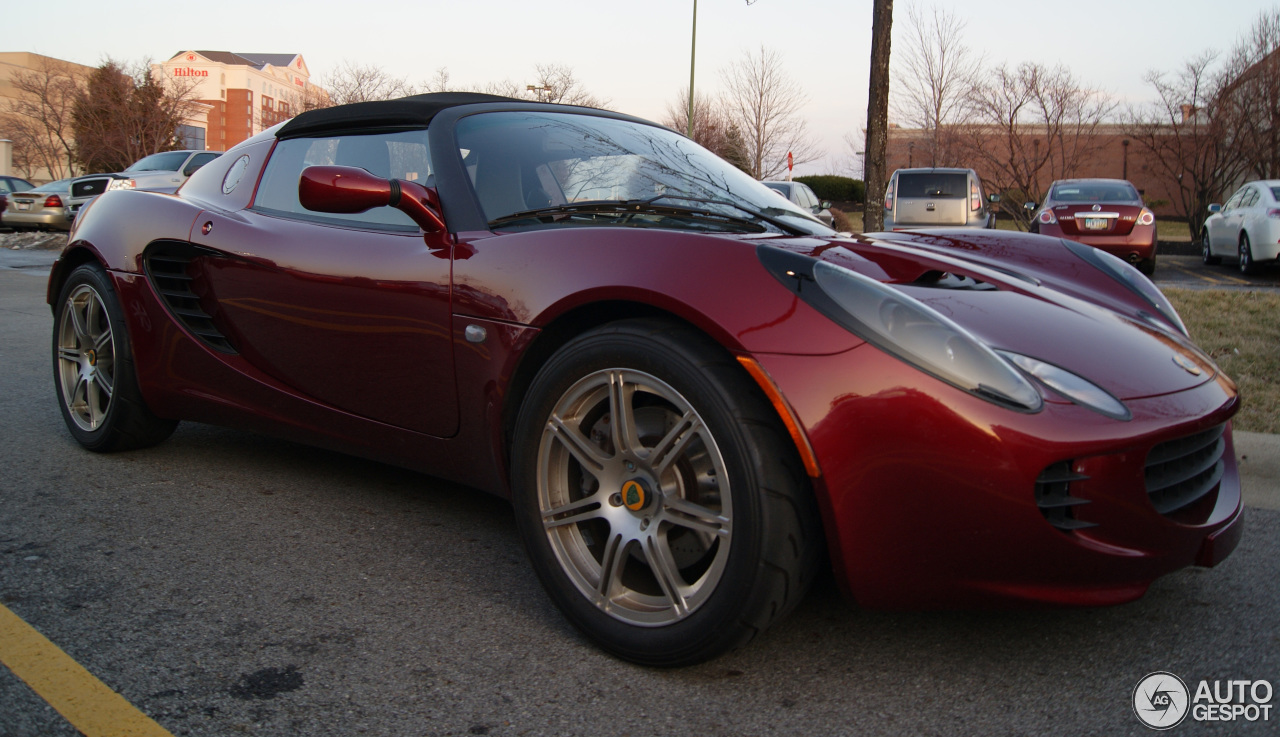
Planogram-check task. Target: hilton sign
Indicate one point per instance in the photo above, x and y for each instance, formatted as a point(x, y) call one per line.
point(189, 72)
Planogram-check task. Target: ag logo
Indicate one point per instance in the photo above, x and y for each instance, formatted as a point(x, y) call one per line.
point(1160, 700)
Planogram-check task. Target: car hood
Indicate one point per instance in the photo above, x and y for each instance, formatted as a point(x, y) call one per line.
point(1040, 301)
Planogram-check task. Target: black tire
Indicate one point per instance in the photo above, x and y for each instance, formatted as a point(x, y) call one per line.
point(93, 366)
point(764, 547)
point(1206, 252)
point(1247, 264)
point(1147, 266)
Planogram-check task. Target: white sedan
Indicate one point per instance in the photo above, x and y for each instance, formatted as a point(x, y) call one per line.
point(1246, 228)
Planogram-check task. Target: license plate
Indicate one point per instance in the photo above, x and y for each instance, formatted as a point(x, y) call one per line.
point(22, 206)
point(1095, 223)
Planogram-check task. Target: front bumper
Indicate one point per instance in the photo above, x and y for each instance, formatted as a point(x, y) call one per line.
point(929, 494)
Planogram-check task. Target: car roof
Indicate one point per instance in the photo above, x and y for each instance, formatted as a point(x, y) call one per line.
point(1081, 180)
point(933, 169)
point(415, 111)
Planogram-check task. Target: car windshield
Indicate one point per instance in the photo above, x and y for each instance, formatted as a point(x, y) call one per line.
point(167, 161)
point(1095, 192)
point(932, 184)
point(62, 186)
point(558, 169)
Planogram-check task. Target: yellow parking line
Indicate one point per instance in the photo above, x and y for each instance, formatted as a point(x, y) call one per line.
point(83, 700)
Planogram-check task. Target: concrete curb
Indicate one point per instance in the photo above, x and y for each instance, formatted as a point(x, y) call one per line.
point(1259, 457)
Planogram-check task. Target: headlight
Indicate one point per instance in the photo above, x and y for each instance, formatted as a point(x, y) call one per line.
point(1133, 279)
point(902, 326)
point(1079, 390)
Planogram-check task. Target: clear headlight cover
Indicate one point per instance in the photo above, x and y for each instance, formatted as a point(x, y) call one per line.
point(919, 335)
point(1079, 390)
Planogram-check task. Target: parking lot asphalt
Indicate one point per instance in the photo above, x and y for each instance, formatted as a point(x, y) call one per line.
point(227, 583)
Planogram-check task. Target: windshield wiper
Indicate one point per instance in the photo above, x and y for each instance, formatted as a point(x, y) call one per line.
point(646, 207)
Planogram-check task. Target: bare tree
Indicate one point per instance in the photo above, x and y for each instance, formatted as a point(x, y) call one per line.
point(39, 118)
point(712, 128)
point(933, 73)
point(764, 103)
point(124, 114)
point(1028, 127)
point(1187, 136)
point(1250, 97)
point(877, 177)
point(352, 82)
point(439, 82)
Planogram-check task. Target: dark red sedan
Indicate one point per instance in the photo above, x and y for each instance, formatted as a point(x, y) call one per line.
point(1107, 214)
point(691, 391)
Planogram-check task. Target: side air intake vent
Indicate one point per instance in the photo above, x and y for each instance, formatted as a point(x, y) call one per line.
point(169, 267)
point(1053, 496)
point(1181, 472)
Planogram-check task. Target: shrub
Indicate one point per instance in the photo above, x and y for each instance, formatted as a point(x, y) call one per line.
point(835, 188)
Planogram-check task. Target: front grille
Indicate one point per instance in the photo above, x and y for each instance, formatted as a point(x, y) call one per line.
point(89, 187)
point(1181, 472)
point(169, 268)
point(1053, 496)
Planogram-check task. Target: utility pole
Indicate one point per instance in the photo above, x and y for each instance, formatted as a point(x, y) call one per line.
point(692, 53)
point(877, 116)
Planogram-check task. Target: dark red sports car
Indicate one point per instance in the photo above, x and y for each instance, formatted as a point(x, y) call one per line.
point(1107, 214)
point(690, 389)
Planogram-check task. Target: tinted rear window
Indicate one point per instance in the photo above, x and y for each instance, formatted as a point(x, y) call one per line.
point(1094, 192)
point(933, 185)
point(1275, 193)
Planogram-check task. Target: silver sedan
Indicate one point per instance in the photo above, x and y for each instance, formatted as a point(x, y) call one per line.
point(42, 208)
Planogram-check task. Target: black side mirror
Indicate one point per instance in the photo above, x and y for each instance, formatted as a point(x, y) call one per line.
point(1029, 206)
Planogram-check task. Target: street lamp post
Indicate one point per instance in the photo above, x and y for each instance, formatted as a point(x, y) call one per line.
point(692, 54)
point(538, 90)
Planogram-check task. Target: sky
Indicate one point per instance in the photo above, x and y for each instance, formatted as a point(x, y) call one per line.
point(637, 54)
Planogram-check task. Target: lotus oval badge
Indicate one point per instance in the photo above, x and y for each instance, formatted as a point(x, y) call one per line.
point(1186, 364)
point(235, 174)
point(633, 496)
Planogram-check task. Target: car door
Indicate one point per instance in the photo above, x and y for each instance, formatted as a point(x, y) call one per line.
point(350, 310)
point(1248, 211)
point(1224, 230)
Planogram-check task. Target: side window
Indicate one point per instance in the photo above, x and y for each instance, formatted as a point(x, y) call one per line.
point(808, 199)
point(401, 155)
point(1251, 198)
point(1234, 202)
point(198, 161)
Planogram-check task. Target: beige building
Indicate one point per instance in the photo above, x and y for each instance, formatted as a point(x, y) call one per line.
point(37, 160)
point(246, 93)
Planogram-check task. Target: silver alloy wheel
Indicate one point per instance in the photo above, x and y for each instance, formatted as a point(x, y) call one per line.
point(86, 358)
point(1246, 254)
point(634, 497)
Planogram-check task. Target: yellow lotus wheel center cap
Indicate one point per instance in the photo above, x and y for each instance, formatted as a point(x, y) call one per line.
point(633, 496)
point(92, 356)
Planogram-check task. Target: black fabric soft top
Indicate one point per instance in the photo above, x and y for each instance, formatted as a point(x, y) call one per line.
point(415, 111)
